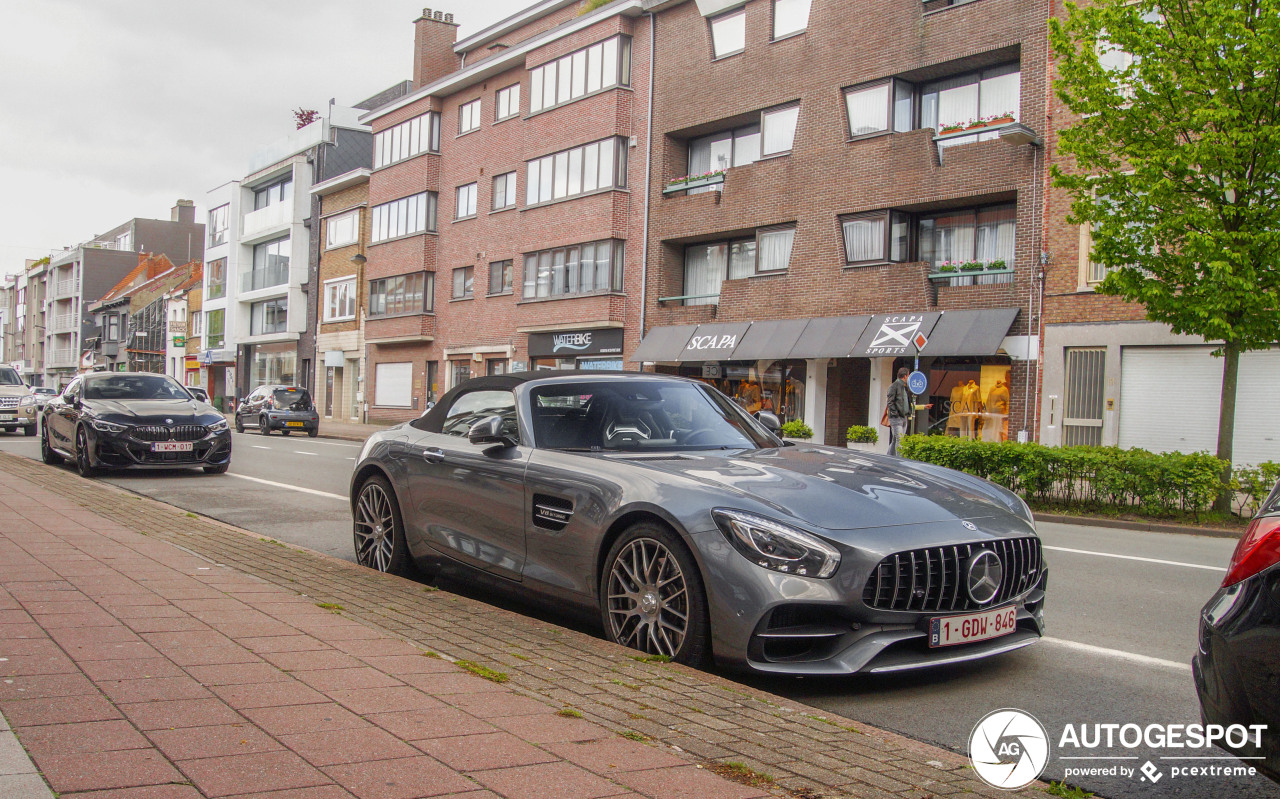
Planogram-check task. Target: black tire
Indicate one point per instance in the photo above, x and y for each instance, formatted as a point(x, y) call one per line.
point(313, 433)
point(46, 452)
point(264, 427)
point(285, 432)
point(84, 463)
point(377, 546)
point(649, 586)
point(29, 430)
point(239, 424)
point(222, 469)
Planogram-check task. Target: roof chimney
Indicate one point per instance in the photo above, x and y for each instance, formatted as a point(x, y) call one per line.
point(183, 211)
point(433, 37)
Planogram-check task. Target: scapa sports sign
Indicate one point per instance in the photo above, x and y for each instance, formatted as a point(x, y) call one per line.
point(892, 335)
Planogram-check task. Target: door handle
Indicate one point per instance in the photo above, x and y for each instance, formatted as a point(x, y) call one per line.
point(433, 455)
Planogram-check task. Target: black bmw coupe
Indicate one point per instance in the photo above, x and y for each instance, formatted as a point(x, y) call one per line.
point(122, 419)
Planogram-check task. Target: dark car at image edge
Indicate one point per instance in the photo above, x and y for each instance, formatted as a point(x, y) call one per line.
point(690, 530)
point(114, 420)
point(1237, 665)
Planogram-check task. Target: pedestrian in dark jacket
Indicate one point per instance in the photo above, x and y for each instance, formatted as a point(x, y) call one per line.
point(901, 405)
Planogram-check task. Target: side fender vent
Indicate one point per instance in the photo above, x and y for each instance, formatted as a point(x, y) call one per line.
point(551, 513)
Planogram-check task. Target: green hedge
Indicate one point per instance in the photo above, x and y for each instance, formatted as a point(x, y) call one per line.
point(1082, 477)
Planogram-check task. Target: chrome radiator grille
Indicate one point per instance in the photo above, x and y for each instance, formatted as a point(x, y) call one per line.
point(934, 579)
point(182, 432)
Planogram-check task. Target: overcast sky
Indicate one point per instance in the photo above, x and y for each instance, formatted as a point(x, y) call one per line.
point(116, 108)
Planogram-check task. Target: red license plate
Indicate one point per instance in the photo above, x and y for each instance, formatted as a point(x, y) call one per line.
point(953, 630)
point(172, 446)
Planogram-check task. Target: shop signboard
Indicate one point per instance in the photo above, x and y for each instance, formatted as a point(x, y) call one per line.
point(893, 335)
point(570, 343)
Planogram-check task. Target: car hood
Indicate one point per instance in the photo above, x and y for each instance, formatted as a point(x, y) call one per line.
point(843, 490)
point(154, 411)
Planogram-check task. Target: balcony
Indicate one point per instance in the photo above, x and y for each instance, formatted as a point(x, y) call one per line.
point(64, 323)
point(67, 287)
point(62, 358)
point(257, 279)
point(270, 219)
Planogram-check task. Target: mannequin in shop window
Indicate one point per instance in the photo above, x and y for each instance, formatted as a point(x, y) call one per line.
point(750, 393)
point(998, 403)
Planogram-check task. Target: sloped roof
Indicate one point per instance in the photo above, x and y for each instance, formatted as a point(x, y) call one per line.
point(149, 267)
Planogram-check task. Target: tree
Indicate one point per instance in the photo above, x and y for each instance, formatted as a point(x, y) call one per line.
point(305, 116)
point(1177, 165)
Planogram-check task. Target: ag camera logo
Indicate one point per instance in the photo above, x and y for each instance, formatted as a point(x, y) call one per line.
point(1009, 748)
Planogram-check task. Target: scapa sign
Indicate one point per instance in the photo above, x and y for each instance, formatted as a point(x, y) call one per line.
point(725, 342)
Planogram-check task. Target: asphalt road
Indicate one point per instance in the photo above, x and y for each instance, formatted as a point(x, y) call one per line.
point(1122, 615)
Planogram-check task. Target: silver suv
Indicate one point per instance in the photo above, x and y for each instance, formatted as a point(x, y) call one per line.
point(12, 390)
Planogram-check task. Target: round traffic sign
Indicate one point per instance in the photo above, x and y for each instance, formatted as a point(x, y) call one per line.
point(917, 382)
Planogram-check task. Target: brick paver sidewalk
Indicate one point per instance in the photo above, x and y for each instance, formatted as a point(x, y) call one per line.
point(145, 650)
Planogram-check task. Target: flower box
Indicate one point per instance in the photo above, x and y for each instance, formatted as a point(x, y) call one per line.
point(1001, 120)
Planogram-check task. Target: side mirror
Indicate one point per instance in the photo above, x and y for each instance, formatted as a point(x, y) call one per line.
point(770, 421)
point(489, 431)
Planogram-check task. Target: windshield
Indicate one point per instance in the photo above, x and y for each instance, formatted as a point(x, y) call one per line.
point(134, 387)
point(9, 377)
point(635, 415)
point(292, 399)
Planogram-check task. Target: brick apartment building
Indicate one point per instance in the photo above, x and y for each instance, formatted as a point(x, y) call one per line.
point(1113, 378)
point(853, 200)
point(507, 203)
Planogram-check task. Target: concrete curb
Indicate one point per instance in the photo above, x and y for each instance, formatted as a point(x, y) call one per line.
point(1150, 527)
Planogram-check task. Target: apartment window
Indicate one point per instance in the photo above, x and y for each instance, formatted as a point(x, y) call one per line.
point(216, 284)
point(270, 265)
point(414, 137)
point(790, 17)
point(495, 366)
point(405, 216)
point(581, 269)
point(219, 219)
point(778, 130)
point(983, 94)
point(874, 108)
point(744, 145)
point(504, 191)
point(197, 323)
point(464, 282)
point(601, 66)
point(125, 241)
point(342, 230)
point(465, 205)
point(500, 277)
point(213, 326)
point(507, 102)
point(402, 294)
point(599, 165)
point(113, 327)
point(468, 116)
point(268, 317)
point(461, 372)
point(729, 33)
point(708, 265)
point(271, 194)
point(971, 234)
point(876, 237)
point(340, 299)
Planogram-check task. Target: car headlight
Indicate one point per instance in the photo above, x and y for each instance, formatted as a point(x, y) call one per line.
point(218, 426)
point(108, 427)
point(774, 545)
point(27, 401)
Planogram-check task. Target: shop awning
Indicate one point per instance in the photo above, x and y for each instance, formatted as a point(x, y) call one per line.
point(714, 342)
point(829, 337)
point(970, 332)
point(663, 343)
point(769, 340)
point(893, 335)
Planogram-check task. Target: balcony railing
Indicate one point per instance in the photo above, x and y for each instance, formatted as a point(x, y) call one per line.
point(277, 275)
point(68, 287)
point(273, 216)
point(64, 323)
point(62, 358)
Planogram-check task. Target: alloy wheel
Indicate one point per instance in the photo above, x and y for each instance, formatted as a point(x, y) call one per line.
point(84, 464)
point(374, 528)
point(648, 599)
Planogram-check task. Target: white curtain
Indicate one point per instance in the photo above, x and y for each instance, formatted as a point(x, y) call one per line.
point(1000, 92)
point(864, 239)
point(742, 259)
point(704, 270)
point(790, 16)
point(775, 249)
point(995, 234)
point(868, 110)
point(779, 130)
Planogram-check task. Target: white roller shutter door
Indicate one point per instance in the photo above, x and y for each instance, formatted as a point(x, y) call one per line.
point(1170, 398)
point(393, 386)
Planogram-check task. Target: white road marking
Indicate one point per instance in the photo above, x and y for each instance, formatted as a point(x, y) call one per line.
point(291, 488)
point(350, 444)
point(1135, 557)
point(259, 446)
point(1118, 654)
point(300, 452)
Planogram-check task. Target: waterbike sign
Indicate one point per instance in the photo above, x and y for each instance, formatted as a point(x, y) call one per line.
point(603, 341)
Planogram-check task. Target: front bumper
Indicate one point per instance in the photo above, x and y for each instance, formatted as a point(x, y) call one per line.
point(775, 623)
point(121, 450)
point(1236, 668)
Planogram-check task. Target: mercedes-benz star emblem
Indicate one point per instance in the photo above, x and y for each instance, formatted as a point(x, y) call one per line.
point(168, 421)
point(985, 573)
point(970, 526)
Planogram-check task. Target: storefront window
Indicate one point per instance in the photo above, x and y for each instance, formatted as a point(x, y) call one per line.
point(970, 397)
point(273, 363)
point(774, 386)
